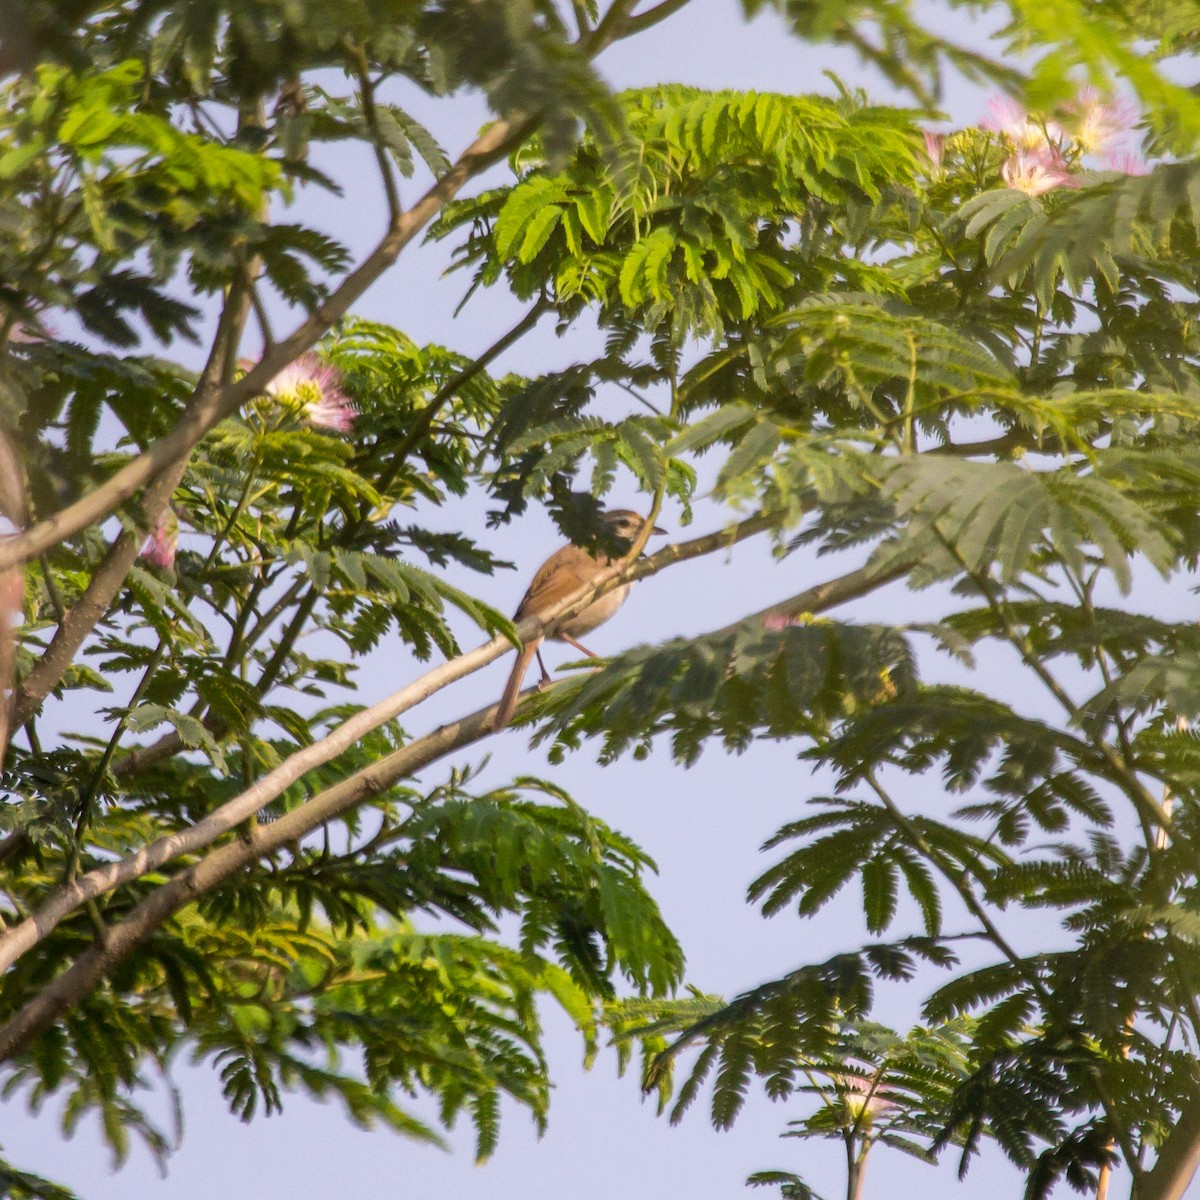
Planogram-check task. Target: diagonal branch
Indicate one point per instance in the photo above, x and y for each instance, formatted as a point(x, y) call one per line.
point(222, 862)
point(172, 743)
point(207, 408)
point(1178, 1161)
point(75, 626)
point(639, 22)
point(12, 587)
point(610, 28)
point(22, 937)
point(209, 405)
point(83, 615)
point(829, 594)
point(66, 990)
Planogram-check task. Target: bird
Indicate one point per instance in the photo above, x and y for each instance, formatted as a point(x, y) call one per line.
point(564, 572)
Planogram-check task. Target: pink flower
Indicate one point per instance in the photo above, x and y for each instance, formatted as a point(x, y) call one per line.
point(935, 148)
point(1097, 121)
point(1128, 162)
point(331, 412)
point(314, 388)
point(29, 331)
point(1035, 172)
point(1008, 117)
point(159, 550)
point(865, 1098)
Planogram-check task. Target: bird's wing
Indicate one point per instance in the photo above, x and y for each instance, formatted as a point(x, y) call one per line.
point(564, 572)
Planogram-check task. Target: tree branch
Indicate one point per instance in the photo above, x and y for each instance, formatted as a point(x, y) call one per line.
point(829, 594)
point(639, 22)
point(17, 940)
point(425, 418)
point(12, 587)
point(172, 743)
point(1177, 1163)
point(1015, 439)
point(104, 584)
point(1122, 773)
point(366, 91)
point(67, 990)
point(208, 406)
point(610, 28)
point(106, 581)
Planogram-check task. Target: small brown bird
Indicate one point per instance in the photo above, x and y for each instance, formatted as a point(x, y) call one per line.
point(564, 572)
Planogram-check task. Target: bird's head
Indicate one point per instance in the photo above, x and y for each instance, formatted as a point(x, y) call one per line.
point(624, 524)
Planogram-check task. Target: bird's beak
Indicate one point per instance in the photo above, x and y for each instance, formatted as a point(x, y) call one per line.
point(655, 529)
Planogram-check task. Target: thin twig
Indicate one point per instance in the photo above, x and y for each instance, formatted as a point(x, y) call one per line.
point(652, 16)
point(958, 880)
point(366, 92)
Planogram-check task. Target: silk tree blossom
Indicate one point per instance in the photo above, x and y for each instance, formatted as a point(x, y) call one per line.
point(1008, 117)
point(1099, 122)
point(331, 412)
point(865, 1099)
point(159, 550)
point(1128, 162)
point(314, 389)
point(1035, 171)
point(935, 149)
point(27, 331)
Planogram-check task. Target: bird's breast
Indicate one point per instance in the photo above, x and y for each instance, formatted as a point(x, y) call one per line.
point(596, 613)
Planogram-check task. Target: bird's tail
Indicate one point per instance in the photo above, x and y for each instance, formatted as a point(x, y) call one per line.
point(508, 702)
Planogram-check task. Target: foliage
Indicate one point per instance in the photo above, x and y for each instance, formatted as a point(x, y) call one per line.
point(935, 360)
point(962, 422)
point(285, 527)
